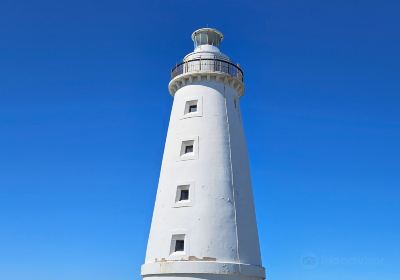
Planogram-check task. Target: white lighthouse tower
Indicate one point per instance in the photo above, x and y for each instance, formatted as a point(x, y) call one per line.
point(204, 224)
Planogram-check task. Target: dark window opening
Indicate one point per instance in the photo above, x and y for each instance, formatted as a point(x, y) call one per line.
point(179, 245)
point(189, 149)
point(193, 108)
point(184, 195)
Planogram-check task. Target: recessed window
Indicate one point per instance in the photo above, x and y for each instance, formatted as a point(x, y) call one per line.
point(191, 107)
point(187, 147)
point(184, 195)
point(177, 243)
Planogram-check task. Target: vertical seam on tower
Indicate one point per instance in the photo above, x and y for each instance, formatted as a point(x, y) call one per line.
point(233, 187)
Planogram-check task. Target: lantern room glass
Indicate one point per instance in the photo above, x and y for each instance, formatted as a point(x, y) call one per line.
point(207, 37)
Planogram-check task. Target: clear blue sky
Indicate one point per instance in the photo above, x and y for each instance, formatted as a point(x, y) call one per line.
point(84, 110)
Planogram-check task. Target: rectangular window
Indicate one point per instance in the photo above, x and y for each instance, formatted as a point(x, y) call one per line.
point(189, 149)
point(179, 245)
point(184, 195)
point(192, 108)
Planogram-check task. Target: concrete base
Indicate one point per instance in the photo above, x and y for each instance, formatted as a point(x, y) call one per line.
point(194, 270)
point(199, 277)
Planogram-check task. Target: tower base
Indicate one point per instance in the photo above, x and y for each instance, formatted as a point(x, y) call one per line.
point(195, 270)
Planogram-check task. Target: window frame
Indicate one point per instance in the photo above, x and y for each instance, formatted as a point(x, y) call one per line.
point(176, 202)
point(198, 101)
point(179, 234)
point(182, 155)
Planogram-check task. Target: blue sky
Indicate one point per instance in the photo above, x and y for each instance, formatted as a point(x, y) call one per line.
point(84, 110)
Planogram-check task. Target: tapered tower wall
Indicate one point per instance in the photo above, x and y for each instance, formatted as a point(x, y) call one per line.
point(216, 222)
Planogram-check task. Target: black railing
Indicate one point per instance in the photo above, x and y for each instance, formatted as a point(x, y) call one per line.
point(208, 65)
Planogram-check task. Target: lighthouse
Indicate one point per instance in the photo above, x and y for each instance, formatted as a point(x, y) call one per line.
point(204, 224)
